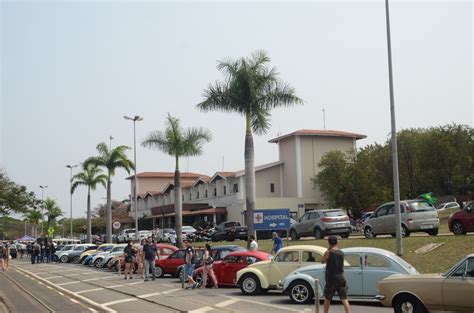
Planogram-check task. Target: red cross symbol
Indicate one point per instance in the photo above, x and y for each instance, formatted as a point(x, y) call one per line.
point(258, 217)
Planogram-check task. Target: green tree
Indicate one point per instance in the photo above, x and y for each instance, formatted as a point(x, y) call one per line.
point(15, 198)
point(252, 89)
point(111, 160)
point(33, 217)
point(90, 176)
point(53, 211)
point(178, 142)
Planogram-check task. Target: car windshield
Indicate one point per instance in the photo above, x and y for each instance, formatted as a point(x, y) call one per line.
point(334, 213)
point(66, 248)
point(118, 249)
point(103, 248)
point(130, 231)
point(232, 224)
point(79, 248)
point(420, 206)
point(403, 263)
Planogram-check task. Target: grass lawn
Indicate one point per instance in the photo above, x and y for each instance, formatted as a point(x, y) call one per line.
point(435, 261)
point(443, 220)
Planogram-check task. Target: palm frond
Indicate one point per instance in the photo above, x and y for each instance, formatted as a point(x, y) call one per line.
point(157, 140)
point(194, 139)
point(260, 120)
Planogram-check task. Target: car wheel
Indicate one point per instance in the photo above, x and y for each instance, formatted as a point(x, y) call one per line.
point(158, 271)
point(64, 259)
point(405, 231)
point(369, 233)
point(75, 260)
point(250, 285)
point(293, 235)
point(408, 304)
point(301, 293)
point(97, 263)
point(433, 232)
point(458, 229)
point(180, 275)
point(346, 235)
point(318, 234)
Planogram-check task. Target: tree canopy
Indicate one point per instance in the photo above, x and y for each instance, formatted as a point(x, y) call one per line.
point(15, 198)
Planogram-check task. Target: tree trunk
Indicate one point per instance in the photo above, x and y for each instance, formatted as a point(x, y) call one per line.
point(249, 178)
point(178, 205)
point(108, 224)
point(89, 219)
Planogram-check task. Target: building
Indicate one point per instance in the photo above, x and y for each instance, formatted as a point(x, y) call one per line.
point(285, 183)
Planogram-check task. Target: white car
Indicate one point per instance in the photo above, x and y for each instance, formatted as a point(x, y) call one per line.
point(116, 251)
point(126, 235)
point(144, 234)
point(187, 230)
point(448, 205)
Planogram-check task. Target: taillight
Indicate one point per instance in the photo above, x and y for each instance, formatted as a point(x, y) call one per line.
point(346, 218)
point(325, 219)
point(409, 209)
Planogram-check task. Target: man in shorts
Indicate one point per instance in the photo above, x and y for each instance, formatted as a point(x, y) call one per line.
point(150, 253)
point(335, 280)
point(189, 264)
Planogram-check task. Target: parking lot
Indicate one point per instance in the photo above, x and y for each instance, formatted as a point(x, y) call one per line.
point(105, 290)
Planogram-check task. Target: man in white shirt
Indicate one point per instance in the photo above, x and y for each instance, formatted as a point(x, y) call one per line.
point(253, 244)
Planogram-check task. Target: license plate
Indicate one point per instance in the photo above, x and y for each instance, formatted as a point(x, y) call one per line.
point(427, 226)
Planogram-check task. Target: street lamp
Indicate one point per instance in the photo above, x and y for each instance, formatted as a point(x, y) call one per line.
point(43, 187)
point(70, 167)
point(396, 184)
point(135, 119)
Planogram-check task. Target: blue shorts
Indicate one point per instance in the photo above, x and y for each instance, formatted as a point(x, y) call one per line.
point(188, 270)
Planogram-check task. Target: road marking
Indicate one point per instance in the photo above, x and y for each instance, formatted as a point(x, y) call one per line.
point(202, 310)
point(52, 277)
point(218, 305)
point(49, 287)
point(119, 301)
point(40, 283)
point(75, 301)
point(260, 303)
point(157, 293)
point(68, 283)
point(72, 275)
point(91, 279)
point(227, 302)
point(89, 290)
point(62, 294)
point(92, 310)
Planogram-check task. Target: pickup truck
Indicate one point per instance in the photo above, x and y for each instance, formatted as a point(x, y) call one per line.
point(229, 231)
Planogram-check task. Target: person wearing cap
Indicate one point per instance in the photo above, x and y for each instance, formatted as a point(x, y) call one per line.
point(335, 280)
point(189, 264)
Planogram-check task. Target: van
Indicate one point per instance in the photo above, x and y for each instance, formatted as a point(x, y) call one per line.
point(416, 216)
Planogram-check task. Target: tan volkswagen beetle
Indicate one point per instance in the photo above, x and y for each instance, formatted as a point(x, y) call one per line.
point(451, 291)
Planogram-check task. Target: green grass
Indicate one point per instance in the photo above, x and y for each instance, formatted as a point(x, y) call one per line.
point(443, 220)
point(435, 261)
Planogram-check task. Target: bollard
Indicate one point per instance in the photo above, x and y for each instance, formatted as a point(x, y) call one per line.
point(316, 295)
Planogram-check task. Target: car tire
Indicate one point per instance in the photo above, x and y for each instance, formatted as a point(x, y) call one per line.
point(159, 271)
point(318, 234)
point(433, 232)
point(458, 229)
point(369, 233)
point(250, 285)
point(294, 235)
point(405, 232)
point(346, 235)
point(408, 303)
point(230, 237)
point(301, 292)
point(97, 263)
point(180, 275)
point(75, 260)
point(64, 259)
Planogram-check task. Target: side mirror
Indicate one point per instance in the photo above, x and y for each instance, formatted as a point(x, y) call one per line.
point(469, 209)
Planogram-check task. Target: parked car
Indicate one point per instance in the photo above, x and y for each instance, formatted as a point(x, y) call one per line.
point(74, 254)
point(366, 215)
point(462, 221)
point(165, 250)
point(320, 223)
point(164, 234)
point(227, 268)
point(186, 231)
point(101, 248)
point(417, 216)
point(448, 205)
point(126, 235)
point(229, 231)
point(266, 275)
point(451, 291)
point(116, 251)
point(61, 251)
point(171, 264)
point(363, 268)
point(144, 234)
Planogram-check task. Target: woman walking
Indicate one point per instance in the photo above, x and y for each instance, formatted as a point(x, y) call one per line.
point(140, 257)
point(129, 255)
point(207, 268)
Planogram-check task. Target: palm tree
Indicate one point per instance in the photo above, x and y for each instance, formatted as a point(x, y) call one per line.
point(52, 211)
point(90, 176)
point(177, 142)
point(34, 217)
point(111, 160)
point(251, 89)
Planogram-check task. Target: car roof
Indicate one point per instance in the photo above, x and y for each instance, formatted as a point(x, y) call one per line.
point(165, 245)
point(227, 247)
point(259, 254)
point(368, 250)
point(326, 210)
point(305, 247)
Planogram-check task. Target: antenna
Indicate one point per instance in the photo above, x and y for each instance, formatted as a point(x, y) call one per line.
point(324, 118)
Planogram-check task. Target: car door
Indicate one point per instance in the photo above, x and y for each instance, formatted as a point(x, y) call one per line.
point(377, 219)
point(375, 268)
point(231, 265)
point(388, 221)
point(301, 226)
point(353, 273)
point(175, 260)
point(458, 288)
point(310, 258)
point(283, 263)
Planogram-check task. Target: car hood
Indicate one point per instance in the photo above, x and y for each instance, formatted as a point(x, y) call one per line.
point(261, 264)
point(419, 277)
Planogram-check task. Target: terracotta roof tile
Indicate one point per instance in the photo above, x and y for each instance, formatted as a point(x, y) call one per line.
point(184, 175)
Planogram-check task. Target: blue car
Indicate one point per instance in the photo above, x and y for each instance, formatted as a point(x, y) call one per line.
point(364, 268)
point(88, 259)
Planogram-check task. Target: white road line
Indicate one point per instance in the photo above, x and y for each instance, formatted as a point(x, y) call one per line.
point(52, 277)
point(89, 290)
point(218, 305)
point(263, 304)
point(69, 283)
point(227, 302)
point(157, 293)
point(114, 286)
point(75, 301)
point(92, 310)
point(119, 301)
point(202, 310)
point(67, 275)
point(40, 283)
point(62, 294)
point(91, 279)
point(170, 291)
point(49, 287)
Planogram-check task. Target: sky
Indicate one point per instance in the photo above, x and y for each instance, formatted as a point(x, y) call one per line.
point(70, 70)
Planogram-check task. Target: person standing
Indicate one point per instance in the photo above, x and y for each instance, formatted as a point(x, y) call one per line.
point(2, 254)
point(253, 243)
point(277, 243)
point(335, 280)
point(150, 253)
point(129, 254)
point(47, 252)
point(140, 258)
point(35, 253)
point(207, 263)
point(6, 255)
point(189, 256)
point(173, 238)
point(42, 251)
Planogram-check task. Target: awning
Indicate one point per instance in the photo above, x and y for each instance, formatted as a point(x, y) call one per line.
point(194, 209)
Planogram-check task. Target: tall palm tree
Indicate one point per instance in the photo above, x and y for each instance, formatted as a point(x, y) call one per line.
point(34, 217)
point(252, 89)
point(53, 211)
point(90, 176)
point(111, 160)
point(178, 142)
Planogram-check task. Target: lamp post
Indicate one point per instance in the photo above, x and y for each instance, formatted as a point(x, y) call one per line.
point(110, 142)
point(396, 185)
point(43, 187)
point(70, 191)
point(134, 120)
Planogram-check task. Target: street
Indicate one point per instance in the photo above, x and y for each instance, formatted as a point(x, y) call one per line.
point(80, 289)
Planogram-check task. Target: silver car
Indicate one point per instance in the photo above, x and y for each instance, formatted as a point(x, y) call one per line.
point(417, 216)
point(320, 223)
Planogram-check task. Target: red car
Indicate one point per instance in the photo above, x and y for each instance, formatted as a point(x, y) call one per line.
point(462, 221)
point(227, 269)
point(170, 264)
point(164, 249)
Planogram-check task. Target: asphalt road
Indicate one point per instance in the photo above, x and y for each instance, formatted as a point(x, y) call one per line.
point(103, 290)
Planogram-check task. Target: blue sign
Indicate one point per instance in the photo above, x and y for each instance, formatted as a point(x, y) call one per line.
point(272, 219)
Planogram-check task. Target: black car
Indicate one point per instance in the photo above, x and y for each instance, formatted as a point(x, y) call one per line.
point(229, 231)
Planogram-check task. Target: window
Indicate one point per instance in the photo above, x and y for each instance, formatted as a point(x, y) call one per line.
point(189, 196)
point(460, 270)
point(167, 251)
point(352, 260)
point(197, 195)
point(215, 192)
point(375, 261)
point(233, 259)
point(235, 188)
point(309, 256)
point(177, 255)
point(251, 260)
point(272, 187)
point(182, 198)
point(205, 193)
point(287, 256)
point(313, 215)
point(382, 211)
point(224, 190)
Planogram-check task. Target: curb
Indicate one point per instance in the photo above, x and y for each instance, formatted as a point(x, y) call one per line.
point(96, 306)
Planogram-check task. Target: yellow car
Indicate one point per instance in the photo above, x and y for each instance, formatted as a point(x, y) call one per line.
point(102, 248)
point(266, 275)
point(451, 291)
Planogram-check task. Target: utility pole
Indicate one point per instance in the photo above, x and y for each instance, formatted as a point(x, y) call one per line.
point(70, 191)
point(324, 119)
point(43, 187)
point(135, 119)
point(110, 142)
point(396, 185)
